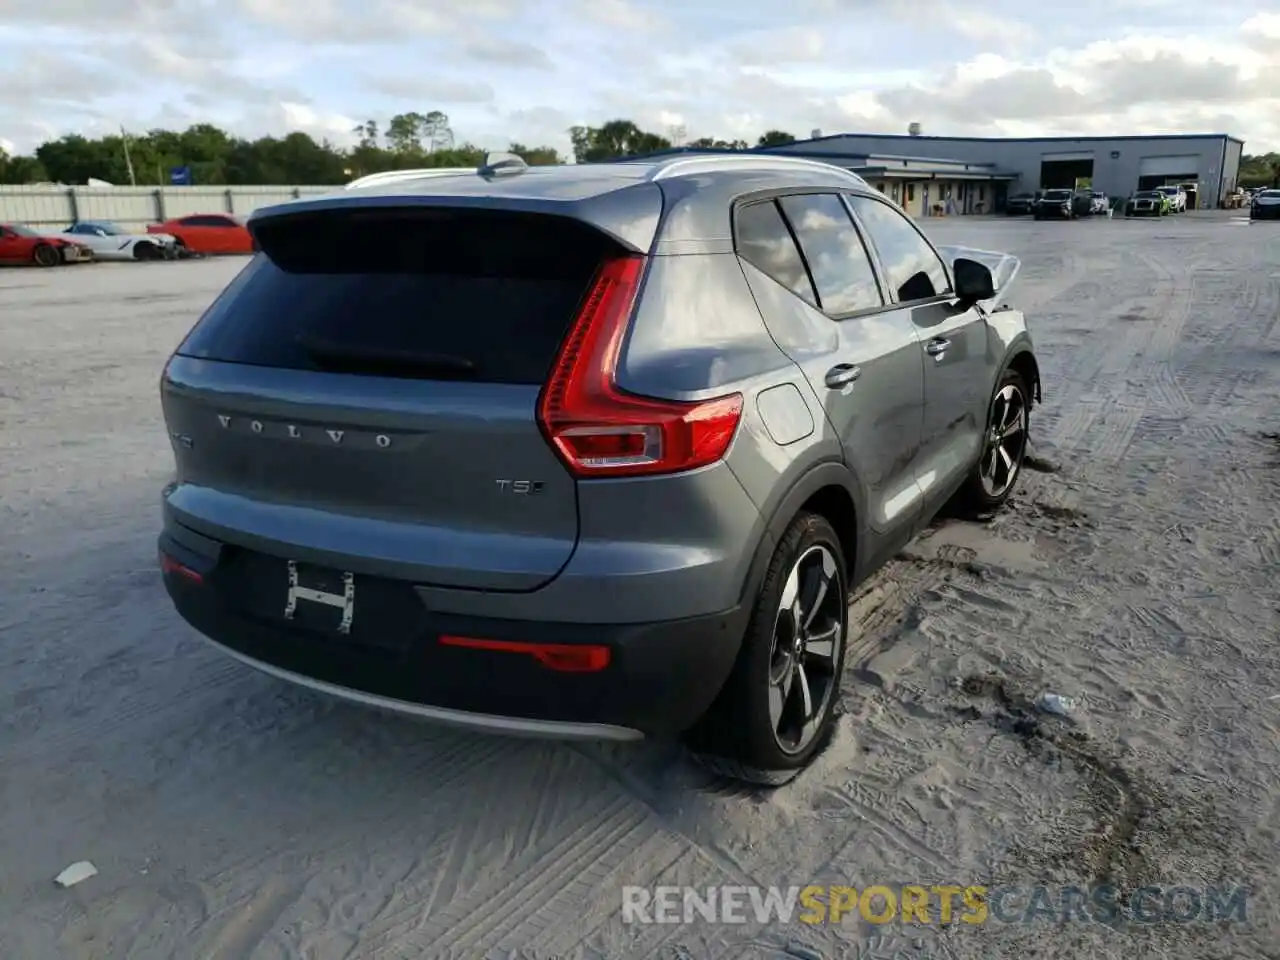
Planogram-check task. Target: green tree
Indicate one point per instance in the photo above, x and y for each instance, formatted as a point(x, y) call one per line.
point(405, 132)
point(405, 141)
point(775, 138)
point(437, 132)
point(536, 156)
point(21, 170)
point(1260, 170)
point(711, 143)
point(614, 140)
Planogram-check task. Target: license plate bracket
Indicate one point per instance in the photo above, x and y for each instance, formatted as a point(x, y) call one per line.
point(344, 601)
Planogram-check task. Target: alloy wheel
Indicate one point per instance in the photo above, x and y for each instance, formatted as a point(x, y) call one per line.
point(1006, 441)
point(808, 633)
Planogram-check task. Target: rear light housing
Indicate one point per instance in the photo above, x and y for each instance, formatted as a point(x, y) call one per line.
point(599, 430)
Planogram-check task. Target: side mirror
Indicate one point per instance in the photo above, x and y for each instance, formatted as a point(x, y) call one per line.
point(973, 280)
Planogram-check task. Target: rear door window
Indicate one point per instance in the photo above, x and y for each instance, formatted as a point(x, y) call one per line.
point(841, 268)
point(764, 241)
point(422, 294)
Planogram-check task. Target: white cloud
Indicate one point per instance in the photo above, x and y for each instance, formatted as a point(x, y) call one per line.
point(513, 69)
point(334, 126)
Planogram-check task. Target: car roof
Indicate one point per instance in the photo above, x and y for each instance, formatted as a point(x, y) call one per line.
point(584, 180)
point(689, 193)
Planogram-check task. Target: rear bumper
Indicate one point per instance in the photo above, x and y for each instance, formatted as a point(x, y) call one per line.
point(660, 679)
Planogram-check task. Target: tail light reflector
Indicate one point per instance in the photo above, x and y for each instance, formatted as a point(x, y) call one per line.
point(562, 657)
point(169, 565)
point(599, 430)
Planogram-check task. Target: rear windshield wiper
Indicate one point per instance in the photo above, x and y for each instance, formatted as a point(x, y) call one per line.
point(354, 358)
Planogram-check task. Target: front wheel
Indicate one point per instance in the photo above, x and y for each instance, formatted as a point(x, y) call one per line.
point(778, 705)
point(46, 255)
point(1004, 446)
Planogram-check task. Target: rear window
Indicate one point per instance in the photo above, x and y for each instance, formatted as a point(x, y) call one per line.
point(427, 294)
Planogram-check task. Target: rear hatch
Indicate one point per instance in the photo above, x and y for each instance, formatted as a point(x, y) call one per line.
point(364, 394)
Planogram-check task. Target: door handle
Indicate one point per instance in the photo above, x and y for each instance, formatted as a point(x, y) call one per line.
point(937, 346)
point(842, 374)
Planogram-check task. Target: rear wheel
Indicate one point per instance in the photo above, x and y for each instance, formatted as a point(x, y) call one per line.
point(46, 255)
point(1004, 446)
point(147, 251)
point(778, 705)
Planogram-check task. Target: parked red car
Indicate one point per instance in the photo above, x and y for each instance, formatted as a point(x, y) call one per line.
point(207, 233)
point(19, 244)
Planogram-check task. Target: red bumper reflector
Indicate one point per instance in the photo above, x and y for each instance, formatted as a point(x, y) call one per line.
point(564, 657)
point(169, 565)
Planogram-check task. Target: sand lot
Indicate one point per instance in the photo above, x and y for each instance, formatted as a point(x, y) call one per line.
point(232, 816)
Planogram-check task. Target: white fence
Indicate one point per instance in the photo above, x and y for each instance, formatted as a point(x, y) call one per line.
point(57, 206)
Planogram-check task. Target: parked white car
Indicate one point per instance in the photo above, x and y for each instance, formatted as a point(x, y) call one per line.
point(111, 242)
point(1177, 198)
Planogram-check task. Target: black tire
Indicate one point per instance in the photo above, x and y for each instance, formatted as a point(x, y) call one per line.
point(46, 255)
point(147, 251)
point(982, 493)
point(737, 737)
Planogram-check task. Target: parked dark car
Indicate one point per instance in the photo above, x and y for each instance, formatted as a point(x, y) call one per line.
point(1020, 204)
point(619, 479)
point(1146, 203)
point(1064, 205)
point(1265, 205)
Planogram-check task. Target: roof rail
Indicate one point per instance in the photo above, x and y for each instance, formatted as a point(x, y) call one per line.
point(393, 176)
point(754, 161)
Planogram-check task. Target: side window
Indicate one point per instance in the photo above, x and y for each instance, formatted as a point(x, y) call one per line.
point(910, 264)
point(841, 268)
point(764, 241)
point(203, 220)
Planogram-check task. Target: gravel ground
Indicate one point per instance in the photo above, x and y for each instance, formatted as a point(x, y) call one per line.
point(231, 816)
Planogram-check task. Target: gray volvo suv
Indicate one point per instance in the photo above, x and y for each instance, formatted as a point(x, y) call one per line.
point(587, 451)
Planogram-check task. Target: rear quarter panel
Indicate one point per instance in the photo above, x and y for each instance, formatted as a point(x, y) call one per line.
point(699, 333)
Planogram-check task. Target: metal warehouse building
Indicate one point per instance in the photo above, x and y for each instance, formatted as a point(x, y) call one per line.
point(960, 169)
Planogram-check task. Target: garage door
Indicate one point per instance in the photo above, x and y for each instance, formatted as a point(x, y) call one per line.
point(1061, 171)
point(1186, 167)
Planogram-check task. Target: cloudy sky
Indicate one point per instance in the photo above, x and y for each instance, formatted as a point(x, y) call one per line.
point(528, 69)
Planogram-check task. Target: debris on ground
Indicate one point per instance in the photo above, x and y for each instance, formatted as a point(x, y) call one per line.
point(77, 872)
point(1056, 704)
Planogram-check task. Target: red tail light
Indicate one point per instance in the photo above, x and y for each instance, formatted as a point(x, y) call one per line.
point(597, 429)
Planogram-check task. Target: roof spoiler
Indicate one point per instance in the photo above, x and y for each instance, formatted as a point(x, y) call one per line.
point(494, 165)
